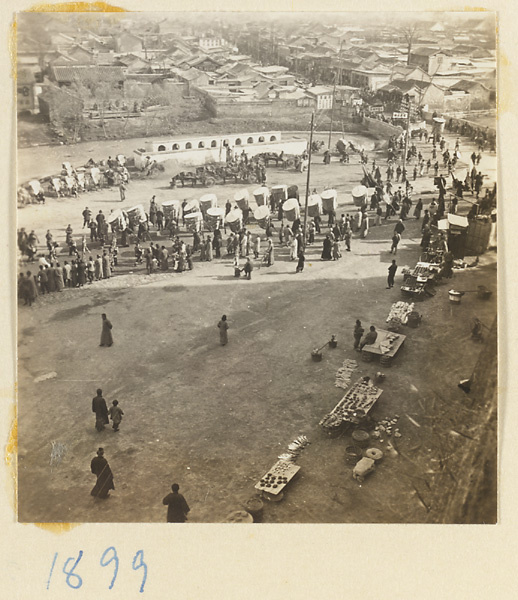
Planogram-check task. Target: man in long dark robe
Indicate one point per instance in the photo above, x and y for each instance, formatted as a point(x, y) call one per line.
point(357, 333)
point(101, 411)
point(223, 328)
point(326, 252)
point(370, 338)
point(177, 507)
point(100, 467)
point(106, 334)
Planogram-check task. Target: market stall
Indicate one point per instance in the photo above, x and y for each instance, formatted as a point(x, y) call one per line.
point(456, 229)
point(418, 281)
point(354, 407)
point(403, 313)
point(277, 478)
point(386, 346)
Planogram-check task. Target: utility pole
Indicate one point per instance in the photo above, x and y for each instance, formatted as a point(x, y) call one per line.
point(307, 180)
point(407, 105)
point(334, 92)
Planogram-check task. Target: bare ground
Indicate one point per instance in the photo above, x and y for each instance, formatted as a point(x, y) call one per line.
point(215, 418)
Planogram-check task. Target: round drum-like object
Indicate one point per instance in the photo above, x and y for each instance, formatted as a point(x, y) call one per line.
point(385, 361)
point(291, 209)
point(191, 207)
point(273, 497)
point(170, 208)
point(366, 356)
point(359, 194)
point(255, 506)
point(353, 454)
point(214, 218)
point(374, 454)
point(208, 201)
point(241, 198)
point(262, 216)
point(314, 205)
point(261, 196)
point(361, 437)
point(193, 221)
point(234, 220)
point(239, 516)
point(455, 296)
point(329, 201)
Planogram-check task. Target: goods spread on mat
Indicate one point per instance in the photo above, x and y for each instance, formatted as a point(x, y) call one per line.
point(355, 405)
point(343, 375)
point(283, 471)
point(400, 311)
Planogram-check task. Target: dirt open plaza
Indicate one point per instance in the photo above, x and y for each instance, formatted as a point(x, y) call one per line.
point(215, 417)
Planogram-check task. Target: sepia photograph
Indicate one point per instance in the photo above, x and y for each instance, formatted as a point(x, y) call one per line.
point(257, 267)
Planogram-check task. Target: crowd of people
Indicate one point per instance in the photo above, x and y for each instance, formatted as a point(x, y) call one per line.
point(170, 248)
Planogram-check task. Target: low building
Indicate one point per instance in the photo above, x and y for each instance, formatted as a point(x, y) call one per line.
point(421, 93)
point(66, 75)
point(406, 72)
point(323, 96)
point(27, 91)
point(372, 79)
point(206, 43)
point(429, 59)
point(480, 95)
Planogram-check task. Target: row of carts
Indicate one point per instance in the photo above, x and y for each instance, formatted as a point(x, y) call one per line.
point(206, 213)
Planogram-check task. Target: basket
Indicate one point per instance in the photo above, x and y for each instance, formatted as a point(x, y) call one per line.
point(361, 438)
point(367, 356)
point(483, 293)
point(353, 454)
point(394, 325)
point(316, 355)
point(455, 297)
point(414, 319)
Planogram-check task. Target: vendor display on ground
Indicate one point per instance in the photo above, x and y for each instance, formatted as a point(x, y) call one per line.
point(354, 406)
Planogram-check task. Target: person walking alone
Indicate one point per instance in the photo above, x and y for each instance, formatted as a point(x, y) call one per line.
point(177, 507)
point(223, 328)
point(391, 274)
point(100, 467)
point(106, 334)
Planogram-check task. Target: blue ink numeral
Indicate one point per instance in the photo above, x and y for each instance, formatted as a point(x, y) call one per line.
point(52, 569)
point(113, 558)
point(141, 564)
point(71, 573)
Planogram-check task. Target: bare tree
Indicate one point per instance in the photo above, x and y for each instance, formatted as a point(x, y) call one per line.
point(409, 33)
